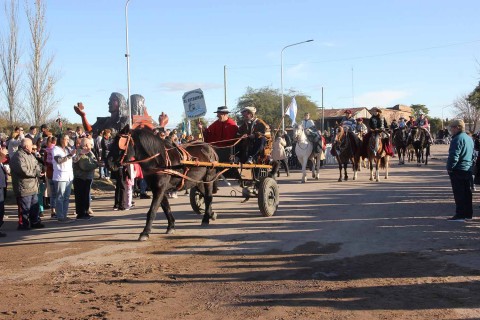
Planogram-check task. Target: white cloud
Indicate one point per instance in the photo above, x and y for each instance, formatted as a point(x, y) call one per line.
point(328, 44)
point(187, 86)
point(297, 71)
point(381, 98)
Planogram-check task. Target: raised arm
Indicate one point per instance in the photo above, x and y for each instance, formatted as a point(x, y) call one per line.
point(79, 110)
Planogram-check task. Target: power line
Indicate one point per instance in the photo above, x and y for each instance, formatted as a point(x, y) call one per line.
point(364, 57)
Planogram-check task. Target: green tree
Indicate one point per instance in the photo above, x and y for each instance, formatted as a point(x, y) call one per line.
point(417, 108)
point(474, 97)
point(435, 125)
point(268, 102)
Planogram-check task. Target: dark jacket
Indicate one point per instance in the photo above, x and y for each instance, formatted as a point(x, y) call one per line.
point(84, 166)
point(256, 126)
point(25, 171)
point(376, 122)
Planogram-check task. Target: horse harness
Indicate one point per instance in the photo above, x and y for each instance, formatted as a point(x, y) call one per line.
point(169, 169)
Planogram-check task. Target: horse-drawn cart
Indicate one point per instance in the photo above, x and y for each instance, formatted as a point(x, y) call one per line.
point(194, 166)
point(252, 178)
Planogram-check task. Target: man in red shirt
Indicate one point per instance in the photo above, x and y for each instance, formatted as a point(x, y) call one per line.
point(220, 133)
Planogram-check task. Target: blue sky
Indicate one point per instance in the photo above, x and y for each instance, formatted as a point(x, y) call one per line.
point(401, 52)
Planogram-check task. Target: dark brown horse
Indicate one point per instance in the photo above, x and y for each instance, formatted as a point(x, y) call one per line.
point(162, 169)
point(418, 138)
point(400, 142)
point(377, 155)
point(347, 149)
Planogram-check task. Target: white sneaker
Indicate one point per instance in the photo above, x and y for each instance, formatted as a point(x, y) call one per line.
point(174, 195)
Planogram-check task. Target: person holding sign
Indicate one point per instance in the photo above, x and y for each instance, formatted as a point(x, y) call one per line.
point(220, 133)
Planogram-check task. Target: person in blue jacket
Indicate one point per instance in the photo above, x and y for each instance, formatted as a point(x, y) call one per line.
point(459, 168)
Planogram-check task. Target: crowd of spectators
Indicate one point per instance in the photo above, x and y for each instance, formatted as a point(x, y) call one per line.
point(45, 168)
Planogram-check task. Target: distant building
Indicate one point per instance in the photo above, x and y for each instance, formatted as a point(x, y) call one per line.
point(333, 116)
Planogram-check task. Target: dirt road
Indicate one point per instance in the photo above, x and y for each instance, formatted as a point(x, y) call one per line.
point(349, 250)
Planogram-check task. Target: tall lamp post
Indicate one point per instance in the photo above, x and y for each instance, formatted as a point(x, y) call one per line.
point(127, 55)
point(281, 78)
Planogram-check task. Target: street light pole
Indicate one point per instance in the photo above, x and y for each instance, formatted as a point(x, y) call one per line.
point(281, 79)
point(127, 55)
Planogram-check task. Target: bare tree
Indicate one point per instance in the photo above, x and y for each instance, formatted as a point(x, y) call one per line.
point(467, 111)
point(42, 80)
point(9, 62)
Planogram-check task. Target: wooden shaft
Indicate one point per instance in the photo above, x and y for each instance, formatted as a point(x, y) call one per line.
point(225, 165)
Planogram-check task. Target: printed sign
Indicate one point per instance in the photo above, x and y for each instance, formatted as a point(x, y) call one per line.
point(194, 104)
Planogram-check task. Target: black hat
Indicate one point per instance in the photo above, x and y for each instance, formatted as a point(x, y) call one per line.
point(222, 109)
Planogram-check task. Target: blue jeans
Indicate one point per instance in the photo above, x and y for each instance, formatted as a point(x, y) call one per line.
point(143, 186)
point(28, 210)
point(53, 194)
point(2, 206)
point(63, 190)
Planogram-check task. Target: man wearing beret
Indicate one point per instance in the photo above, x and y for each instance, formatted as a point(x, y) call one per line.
point(459, 168)
point(253, 131)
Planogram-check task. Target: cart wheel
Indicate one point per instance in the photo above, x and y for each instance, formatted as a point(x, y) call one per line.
point(197, 201)
point(268, 198)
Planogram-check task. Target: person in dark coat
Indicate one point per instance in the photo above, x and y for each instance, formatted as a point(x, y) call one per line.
point(253, 131)
point(26, 171)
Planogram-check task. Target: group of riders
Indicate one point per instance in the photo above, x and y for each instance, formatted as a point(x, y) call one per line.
point(377, 124)
point(252, 132)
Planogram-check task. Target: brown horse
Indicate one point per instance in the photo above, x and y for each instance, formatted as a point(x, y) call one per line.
point(347, 149)
point(377, 154)
point(419, 140)
point(400, 142)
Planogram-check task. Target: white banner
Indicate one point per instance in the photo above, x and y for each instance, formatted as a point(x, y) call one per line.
point(194, 104)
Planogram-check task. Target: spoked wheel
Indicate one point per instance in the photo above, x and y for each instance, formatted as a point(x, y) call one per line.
point(268, 197)
point(197, 201)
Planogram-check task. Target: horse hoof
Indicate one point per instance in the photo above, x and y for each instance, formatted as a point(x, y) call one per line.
point(143, 237)
point(213, 216)
point(205, 223)
point(340, 180)
point(170, 231)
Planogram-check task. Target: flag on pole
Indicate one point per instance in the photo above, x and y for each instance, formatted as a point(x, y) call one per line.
point(292, 110)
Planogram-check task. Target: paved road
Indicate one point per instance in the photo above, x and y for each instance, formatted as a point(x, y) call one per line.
point(404, 216)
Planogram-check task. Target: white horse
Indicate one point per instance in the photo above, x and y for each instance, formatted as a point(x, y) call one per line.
point(304, 151)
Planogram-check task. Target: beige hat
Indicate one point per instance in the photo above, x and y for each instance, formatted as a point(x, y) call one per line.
point(375, 109)
point(252, 110)
point(458, 123)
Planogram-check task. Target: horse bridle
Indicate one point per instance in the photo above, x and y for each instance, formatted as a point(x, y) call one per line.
point(123, 143)
point(126, 139)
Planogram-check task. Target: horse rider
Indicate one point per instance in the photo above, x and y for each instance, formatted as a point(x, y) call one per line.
point(219, 132)
point(253, 131)
point(360, 127)
point(393, 125)
point(377, 123)
point(307, 122)
point(411, 122)
point(422, 122)
point(401, 123)
point(348, 121)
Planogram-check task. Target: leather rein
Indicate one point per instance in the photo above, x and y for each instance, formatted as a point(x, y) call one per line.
point(126, 140)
